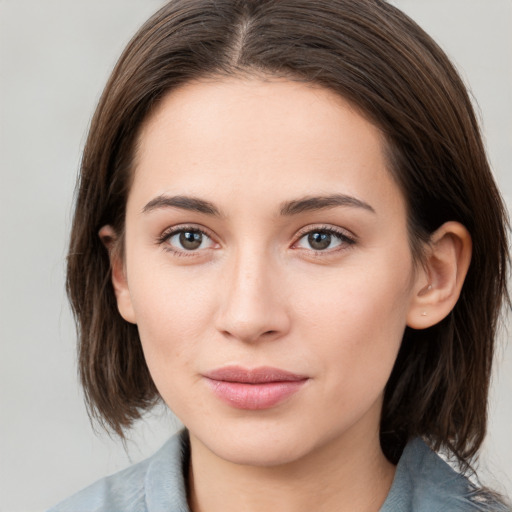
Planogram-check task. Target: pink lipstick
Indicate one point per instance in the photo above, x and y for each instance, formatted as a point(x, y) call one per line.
point(256, 389)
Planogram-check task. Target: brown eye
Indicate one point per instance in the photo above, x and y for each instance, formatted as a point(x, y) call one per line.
point(319, 240)
point(187, 240)
point(324, 240)
point(191, 240)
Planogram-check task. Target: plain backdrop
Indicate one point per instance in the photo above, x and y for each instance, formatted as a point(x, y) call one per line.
point(55, 56)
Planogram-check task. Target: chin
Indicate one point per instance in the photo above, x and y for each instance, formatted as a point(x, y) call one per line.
point(258, 453)
point(258, 444)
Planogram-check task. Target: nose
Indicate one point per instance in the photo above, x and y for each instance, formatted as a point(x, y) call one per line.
point(252, 304)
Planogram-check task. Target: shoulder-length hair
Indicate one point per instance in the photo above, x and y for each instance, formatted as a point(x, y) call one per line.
point(378, 59)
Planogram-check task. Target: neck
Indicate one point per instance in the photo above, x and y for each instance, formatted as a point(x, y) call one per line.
point(343, 475)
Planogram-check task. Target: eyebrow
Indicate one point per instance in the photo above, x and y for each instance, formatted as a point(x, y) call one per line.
point(313, 203)
point(183, 202)
point(305, 204)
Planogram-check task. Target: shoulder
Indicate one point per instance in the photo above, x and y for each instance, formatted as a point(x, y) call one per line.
point(426, 483)
point(154, 484)
point(121, 491)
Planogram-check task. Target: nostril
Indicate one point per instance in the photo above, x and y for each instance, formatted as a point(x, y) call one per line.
point(251, 311)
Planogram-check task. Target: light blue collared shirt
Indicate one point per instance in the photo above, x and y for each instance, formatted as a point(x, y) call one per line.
point(423, 483)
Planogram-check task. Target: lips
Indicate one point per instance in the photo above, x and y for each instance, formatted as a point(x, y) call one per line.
point(253, 389)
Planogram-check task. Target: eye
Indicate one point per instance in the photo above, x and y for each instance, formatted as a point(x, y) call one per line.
point(324, 239)
point(187, 240)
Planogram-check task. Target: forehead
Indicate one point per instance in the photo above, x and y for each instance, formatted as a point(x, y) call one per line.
point(253, 139)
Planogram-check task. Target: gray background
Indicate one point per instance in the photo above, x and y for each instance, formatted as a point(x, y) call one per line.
point(55, 56)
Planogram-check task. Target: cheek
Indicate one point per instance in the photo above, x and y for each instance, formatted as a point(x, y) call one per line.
point(173, 310)
point(356, 299)
point(355, 323)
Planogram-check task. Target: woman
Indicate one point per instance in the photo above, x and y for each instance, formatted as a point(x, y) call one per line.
point(287, 230)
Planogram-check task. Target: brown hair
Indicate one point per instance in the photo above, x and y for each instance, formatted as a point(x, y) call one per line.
point(373, 55)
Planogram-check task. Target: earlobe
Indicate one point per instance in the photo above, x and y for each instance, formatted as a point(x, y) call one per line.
point(439, 283)
point(118, 274)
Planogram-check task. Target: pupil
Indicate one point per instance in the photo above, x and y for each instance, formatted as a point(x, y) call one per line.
point(319, 241)
point(190, 239)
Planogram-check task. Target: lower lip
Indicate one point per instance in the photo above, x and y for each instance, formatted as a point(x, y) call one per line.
point(254, 397)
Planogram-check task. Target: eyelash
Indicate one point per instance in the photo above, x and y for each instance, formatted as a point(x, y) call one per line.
point(345, 240)
point(167, 234)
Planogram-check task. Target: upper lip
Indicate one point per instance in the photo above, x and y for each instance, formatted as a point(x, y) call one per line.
point(260, 375)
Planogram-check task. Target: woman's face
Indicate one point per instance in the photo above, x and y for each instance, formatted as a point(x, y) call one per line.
point(267, 267)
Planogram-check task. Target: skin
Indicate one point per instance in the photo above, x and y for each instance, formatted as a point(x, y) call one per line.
point(256, 293)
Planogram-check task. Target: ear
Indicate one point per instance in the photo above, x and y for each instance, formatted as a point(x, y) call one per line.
point(110, 240)
point(438, 284)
